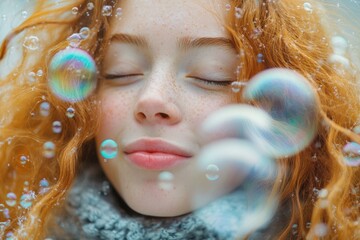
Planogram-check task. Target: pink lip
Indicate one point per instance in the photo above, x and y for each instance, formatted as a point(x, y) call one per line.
point(155, 154)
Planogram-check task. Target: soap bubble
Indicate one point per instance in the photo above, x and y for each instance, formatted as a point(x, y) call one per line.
point(238, 163)
point(352, 154)
point(24, 159)
point(11, 199)
point(49, 149)
point(56, 127)
point(44, 109)
point(166, 180)
point(212, 172)
point(321, 229)
point(90, 6)
point(44, 186)
point(75, 10)
point(72, 74)
point(260, 58)
point(26, 200)
point(308, 7)
point(74, 40)
point(108, 149)
point(84, 32)
point(106, 10)
point(118, 12)
point(339, 45)
point(291, 102)
point(31, 43)
point(70, 112)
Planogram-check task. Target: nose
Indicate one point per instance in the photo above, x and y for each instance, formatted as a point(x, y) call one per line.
point(155, 105)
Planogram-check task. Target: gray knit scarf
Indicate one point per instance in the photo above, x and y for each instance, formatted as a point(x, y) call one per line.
point(94, 211)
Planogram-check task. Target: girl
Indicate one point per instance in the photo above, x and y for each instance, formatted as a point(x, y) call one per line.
point(163, 67)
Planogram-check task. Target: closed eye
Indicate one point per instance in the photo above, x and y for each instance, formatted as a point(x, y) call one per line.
point(116, 76)
point(213, 82)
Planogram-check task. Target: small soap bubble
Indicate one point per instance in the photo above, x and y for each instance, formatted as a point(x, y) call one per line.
point(323, 193)
point(24, 159)
point(308, 7)
point(352, 154)
point(6, 213)
point(90, 6)
point(339, 44)
point(108, 149)
point(227, 7)
point(26, 200)
point(11, 199)
point(2, 207)
point(24, 14)
point(356, 129)
point(166, 180)
point(31, 77)
point(321, 229)
point(260, 58)
point(75, 10)
point(74, 40)
point(118, 12)
point(238, 12)
point(236, 86)
point(44, 109)
point(72, 75)
point(56, 127)
point(39, 73)
point(212, 172)
point(49, 149)
point(31, 43)
point(84, 32)
point(10, 236)
point(292, 104)
point(106, 10)
point(70, 112)
point(44, 186)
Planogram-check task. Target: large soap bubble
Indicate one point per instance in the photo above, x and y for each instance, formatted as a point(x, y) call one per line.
point(291, 102)
point(72, 74)
point(241, 165)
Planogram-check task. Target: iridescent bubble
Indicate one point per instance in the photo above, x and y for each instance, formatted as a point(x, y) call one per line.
point(49, 149)
point(31, 43)
point(24, 159)
point(10, 236)
point(352, 154)
point(56, 127)
point(339, 45)
point(2, 207)
point(11, 199)
point(118, 12)
point(39, 73)
point(227, 7)
point(24, 14)
point(244, 168)
point(90, 6)
point(26, 200)
point(293, 106)
point(44, 186)
point(356, 129)
point(212, 172)
point(166, 180)
point(321, 229)
point(260, 58)
point(75, 10)
point(106, 10)
point(32, 77)
point(44, 109)
point(72, 75)
point(308, 7)
point(70, 112)
point(238, 12)
point(84, 32)
point(236, 86)
point(74, 40)
point(108, 149)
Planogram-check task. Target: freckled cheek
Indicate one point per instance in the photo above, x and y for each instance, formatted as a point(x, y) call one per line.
point(114, 109)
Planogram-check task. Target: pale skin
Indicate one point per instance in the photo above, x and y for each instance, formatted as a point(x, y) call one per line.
point(169, 65)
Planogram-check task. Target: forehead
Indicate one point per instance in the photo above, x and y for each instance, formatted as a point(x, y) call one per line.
point(171, 18)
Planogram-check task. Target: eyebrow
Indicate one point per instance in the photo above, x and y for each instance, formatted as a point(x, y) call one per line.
point(184, 43)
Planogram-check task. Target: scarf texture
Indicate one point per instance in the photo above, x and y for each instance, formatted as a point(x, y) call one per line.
point(93, 210)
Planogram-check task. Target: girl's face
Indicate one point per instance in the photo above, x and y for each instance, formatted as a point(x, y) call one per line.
point(169, 65)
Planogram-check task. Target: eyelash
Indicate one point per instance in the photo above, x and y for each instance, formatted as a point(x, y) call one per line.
point(213, 82)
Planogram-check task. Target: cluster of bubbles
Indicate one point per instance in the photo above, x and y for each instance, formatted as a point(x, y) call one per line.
point(244, 140)
point(72, 74)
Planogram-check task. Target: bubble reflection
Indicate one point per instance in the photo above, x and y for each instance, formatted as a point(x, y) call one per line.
point(108, 149)
point(72, 74)
point(293, 107)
